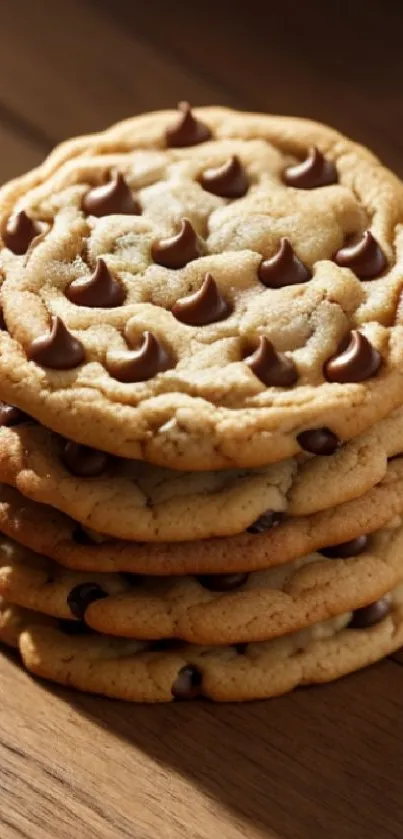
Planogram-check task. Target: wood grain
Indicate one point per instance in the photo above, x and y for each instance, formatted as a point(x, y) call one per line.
point(322, 763)
point(87, 71)
point(17, 152)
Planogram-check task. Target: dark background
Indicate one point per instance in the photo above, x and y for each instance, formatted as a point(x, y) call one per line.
point(72, 66)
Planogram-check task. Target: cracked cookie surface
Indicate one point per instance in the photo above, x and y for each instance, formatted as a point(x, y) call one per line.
point(201, 306)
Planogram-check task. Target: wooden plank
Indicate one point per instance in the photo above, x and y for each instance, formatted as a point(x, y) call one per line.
point(320, 762)
point(70, 70)
point(17, 153)
point(342, 65)
point(397, 657)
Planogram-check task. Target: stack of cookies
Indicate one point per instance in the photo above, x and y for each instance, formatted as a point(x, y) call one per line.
point(201, 426)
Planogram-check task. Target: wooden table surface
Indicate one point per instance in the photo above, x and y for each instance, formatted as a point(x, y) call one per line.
point(322, 763)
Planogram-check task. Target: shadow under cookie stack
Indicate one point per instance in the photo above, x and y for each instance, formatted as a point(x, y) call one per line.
point(201, 427)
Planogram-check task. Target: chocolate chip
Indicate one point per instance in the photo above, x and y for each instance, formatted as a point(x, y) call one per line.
point(284, 268)
point(69, 627)
point(139, 365)
point(3, 325)
point(176, 251)
point(346, 549)
point(113, 198)
point(99, 290)
point(19, 232)
point(355, 361)
point(372, 614)
point(272, 518)
point(273, 368)
point(316, 170)
point(227, 181)
point(11, 416)
point(187, 684)
point(204, 306)
point(82, 596)
point(187, 130)
point(364, 257)
point(59, 349)
point(318, 441)
point(222, 582)
point(83, 461)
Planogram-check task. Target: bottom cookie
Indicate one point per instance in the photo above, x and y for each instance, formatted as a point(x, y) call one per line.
point(160, 672)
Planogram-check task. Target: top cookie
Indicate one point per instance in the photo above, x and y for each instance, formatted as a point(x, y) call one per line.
point(204, 290)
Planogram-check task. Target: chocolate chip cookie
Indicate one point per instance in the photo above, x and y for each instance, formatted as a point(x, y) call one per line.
point(204, 290)
point(133, 500)
point(272, 543)
point(209, 609)
point(139, 671)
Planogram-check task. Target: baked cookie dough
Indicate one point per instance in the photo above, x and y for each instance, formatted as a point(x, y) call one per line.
point(204, 290)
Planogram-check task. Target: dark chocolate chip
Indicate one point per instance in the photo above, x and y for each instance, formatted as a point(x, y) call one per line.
point(3, 325)
point(99, 290)
point(83, 461)
point(372, 614)
point(222, 582)
point(364, 257)
point(346, 549)
point(81, 596)
point(315, 171)
point(273, 368)
point(272, 518)
point(204, 306)
point(284, 268)
point(355, 361)
point(113, 198)
point(139, 365)
point(19, 232)
point(187, 684)
point(59, 349)
point(176, 251)
point(187, 130)
point(70, 627)
point(11, 416)
point(318, 441)
point(227, 181)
